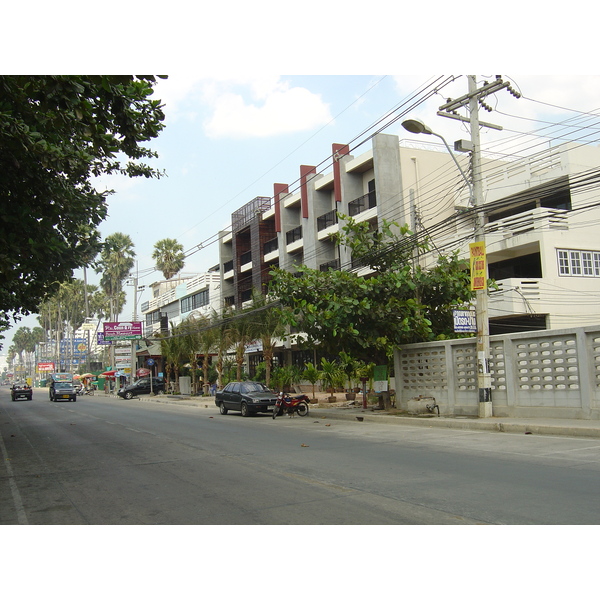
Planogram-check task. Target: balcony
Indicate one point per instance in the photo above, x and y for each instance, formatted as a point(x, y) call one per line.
point(293, 239)
point(246, 261)
point(355, 207)
point(271, 250)
point(539, 218)
point(327, 220)
point(293, 235)
point(515, 296)
point(330, 264)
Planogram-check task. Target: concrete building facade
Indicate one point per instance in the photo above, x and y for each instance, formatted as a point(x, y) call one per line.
point(541, 225)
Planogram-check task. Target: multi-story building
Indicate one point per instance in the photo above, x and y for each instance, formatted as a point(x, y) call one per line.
point(541, 234)
point(175, 300)
point(294, 227)
point(539, 231)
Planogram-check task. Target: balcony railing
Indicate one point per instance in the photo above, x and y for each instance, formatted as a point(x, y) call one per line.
point(271, 246)
point(330, 264)
point(361, 204)
point(293, 235)
point(327, 220)
point(538, 218)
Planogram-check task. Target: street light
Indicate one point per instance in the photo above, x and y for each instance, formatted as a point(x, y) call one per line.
point(475, 192)
point(416, 126)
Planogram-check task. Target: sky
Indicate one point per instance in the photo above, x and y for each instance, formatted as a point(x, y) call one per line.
point(229, 138)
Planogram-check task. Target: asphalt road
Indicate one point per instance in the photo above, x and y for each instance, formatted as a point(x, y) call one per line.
point(112, 461)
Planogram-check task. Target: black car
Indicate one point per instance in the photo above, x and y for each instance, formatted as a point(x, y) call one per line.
point(142, 386)
point(249, 397)
point(21, 391)
point(63, 390)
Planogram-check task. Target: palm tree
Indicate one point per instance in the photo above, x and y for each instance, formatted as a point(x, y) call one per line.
point(193, 342)
point(266, 325)
point(116, 260)
point(169, 257)
point(312, 375)
point(173, 350)
point(209, 343)
point(241, 332)
point(223, 341)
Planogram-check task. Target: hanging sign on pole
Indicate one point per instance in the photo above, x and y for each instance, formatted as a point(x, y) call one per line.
point(478, 266)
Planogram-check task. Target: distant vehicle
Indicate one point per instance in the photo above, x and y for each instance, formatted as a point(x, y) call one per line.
point(61, 387)
point(249, 397)
point(141, 387)
point(21, 391)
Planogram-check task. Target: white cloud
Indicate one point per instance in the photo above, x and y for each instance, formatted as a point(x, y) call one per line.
point(260, 107)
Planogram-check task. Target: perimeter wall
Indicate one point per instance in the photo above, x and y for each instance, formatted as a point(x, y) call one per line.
point(553, 373)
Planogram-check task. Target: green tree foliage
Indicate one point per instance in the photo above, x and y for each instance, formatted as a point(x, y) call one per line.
point(169, 257)
point(266, 326)
point(56, 134)
point(367, 317)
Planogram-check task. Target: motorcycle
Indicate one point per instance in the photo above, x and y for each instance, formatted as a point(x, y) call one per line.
point(290, 405)
point(87, 391)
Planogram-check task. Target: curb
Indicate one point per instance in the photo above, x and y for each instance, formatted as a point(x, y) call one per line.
point(493, 424)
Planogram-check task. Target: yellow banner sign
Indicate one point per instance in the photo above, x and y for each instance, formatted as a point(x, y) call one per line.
point(478, 266)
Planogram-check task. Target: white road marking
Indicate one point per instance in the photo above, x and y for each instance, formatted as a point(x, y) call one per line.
point(16, 495)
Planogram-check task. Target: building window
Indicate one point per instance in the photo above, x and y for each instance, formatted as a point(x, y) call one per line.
point(578, 263)
point(194, 301)
point(575, 259)
point(153, 317)
point(587, 263)
point(563, 263)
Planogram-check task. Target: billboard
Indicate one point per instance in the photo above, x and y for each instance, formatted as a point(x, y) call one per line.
point(45, 366)
point(128, 330)
point(74, 347)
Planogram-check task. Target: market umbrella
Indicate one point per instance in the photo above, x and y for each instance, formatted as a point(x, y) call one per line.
point(87, 375)
point(107, 374)
point(76, 376)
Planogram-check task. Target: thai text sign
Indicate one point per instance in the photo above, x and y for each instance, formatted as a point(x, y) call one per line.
point(100, 339)
point(478, 266)
point(123, 331)
point(464, 320)
point(45, 366)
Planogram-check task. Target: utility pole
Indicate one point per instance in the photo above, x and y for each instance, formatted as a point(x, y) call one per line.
point(472, 100)
point(134, 342)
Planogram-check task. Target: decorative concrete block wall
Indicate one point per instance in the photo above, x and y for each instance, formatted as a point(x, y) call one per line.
point(554, 373)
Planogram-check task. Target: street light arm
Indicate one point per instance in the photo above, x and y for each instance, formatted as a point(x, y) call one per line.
point(417, 126)
point(457, 164)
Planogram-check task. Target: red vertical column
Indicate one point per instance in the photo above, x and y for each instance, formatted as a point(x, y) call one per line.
point(279, 190)
point(305, 171)
point(339, 150)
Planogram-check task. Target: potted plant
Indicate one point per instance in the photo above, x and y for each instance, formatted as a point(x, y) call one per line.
point(312, 375)
point(349, 366)
point(331, 374)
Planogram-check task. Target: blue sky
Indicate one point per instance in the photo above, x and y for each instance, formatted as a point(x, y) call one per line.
point(229, 138)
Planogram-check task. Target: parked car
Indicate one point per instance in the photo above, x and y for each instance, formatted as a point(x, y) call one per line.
point(249, 397)
point(142, 386)
point(63, 390)
point(21, 391)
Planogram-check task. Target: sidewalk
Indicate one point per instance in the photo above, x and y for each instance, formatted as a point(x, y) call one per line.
point(340, 410)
